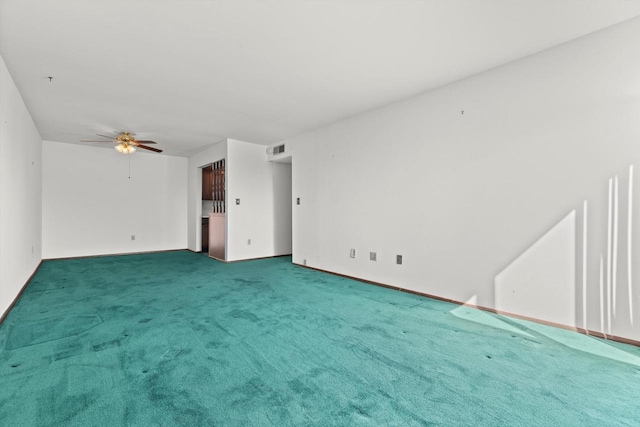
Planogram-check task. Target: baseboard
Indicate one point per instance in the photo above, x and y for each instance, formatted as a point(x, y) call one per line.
point(117, 254)
point(15, 300)
point(253, 259)
point(488, 309)
point(239, 260)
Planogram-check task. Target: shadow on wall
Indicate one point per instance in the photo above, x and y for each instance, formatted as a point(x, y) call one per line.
point(540, 282)
point(551, 280)
point(551, 277)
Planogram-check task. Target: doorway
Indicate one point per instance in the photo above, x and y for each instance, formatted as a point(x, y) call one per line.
point(282, 206)
point(214, 210)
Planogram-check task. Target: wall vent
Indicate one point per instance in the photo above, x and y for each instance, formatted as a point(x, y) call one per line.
point(278, 149)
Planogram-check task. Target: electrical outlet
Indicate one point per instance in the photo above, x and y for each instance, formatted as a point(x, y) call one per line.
point(237, 201)
point(298, 201)
point(133, 237)
point(372, 256)
point(398, 259)
point(304, 262)
point(352, 253)
point(248, 241)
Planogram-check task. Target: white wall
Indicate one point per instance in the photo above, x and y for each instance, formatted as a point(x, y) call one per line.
point(92, 204)
point(251, 178)
point(217, 151)
point(20, 192)
point(470, 198)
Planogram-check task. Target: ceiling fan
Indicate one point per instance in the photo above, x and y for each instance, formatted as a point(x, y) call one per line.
point(126, 143)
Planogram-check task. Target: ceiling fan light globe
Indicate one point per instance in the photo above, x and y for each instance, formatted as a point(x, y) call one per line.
point(125, 148)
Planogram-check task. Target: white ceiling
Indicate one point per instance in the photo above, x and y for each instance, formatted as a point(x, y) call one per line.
point(189, 73)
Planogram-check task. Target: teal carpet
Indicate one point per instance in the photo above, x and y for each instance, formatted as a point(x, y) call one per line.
point(178, 339)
